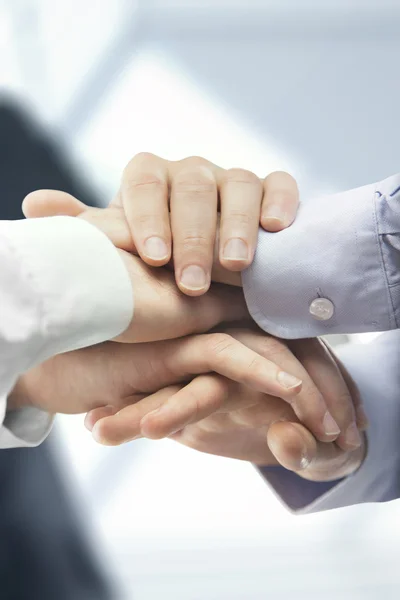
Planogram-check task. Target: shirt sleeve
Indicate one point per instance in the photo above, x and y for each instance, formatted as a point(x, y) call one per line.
point(63, 286)
point(335, 270)
point(375, 368)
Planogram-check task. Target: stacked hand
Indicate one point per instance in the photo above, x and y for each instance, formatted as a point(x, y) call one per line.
point(235, 392)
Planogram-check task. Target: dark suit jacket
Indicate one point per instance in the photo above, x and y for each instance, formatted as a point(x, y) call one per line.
point(43, 551)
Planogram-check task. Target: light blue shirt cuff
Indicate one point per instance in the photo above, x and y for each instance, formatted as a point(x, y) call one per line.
point(335, 270)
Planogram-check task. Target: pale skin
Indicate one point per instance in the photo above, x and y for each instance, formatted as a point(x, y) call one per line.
point(212, 413)
point(163, 201)
point(145, 198)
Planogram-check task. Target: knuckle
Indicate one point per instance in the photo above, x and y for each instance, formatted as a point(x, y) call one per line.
point(144, 180)
point(137, 162)
point(195, 181)
point(193, 161)
point(195, 188)
point(143, 170)
point(281, 175)
point(194, 242)
point(144, 220)
point(241, 176)
point(142, 157)
point(238, 217)
point(271, 347)
point(219, 343)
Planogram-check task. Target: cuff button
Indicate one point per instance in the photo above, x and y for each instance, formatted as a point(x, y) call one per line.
point(322, 309)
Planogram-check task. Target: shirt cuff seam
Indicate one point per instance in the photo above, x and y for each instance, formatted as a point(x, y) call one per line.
point(392, 312)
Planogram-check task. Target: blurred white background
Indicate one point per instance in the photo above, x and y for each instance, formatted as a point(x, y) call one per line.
point(306, 86)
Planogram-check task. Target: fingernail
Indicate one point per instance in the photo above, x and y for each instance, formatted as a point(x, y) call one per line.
point(362, 419)
point(156, 248)
point(352, 437)
point(194, 278)
point(329, 424)
point(288, 381)
point(275, 215)
point(236, 249)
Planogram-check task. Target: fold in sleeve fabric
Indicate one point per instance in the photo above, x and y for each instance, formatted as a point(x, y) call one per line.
point(63, 286)
point(335, 270)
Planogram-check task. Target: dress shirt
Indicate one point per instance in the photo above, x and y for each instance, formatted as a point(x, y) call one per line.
point(63, 286)
point(335, 270)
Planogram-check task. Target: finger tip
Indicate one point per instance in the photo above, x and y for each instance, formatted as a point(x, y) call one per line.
point(154, 261)
point(88, 422)
point(28, 204)
point(97, 435)
point(193, 292)
point(149, 428)
point(272, 224)
point(292, 445)
point(99, 432)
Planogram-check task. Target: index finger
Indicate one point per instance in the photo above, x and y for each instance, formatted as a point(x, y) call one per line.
point(309, 405)
point(221, 353)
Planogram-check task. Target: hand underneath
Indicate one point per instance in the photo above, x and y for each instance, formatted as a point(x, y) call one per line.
point(215, 404)
point(118, 375)
point(162, 312)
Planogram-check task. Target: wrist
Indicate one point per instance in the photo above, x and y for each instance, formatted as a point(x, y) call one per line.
point(19, 396)
point(221, 275)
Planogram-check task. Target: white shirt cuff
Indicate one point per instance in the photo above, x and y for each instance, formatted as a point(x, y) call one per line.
point(64, 287)
point(84, 287)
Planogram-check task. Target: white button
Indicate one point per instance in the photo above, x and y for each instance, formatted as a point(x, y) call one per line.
point(322, 309)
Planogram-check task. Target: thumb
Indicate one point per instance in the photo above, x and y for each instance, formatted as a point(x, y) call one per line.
point(51, 203)
point(296, 449)
point(112, 222)
point(293, 445)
